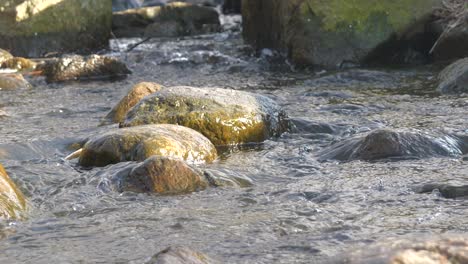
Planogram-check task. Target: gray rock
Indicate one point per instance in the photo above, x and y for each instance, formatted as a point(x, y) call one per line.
point(453, 42)
point(384, 144)
point(446, 190)
point(179, 255)
point(454, 78)
point(119, 5)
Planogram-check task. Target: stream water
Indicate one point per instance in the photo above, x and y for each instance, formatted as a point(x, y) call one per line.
point(297, 210)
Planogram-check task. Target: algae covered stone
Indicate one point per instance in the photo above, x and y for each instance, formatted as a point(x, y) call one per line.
point(75, 67)
point(12, 201)
point(142, 142)
point(224, 116)
point(163, 175)
point(332, 32)
point(13, 81)
point(32, 28)
point(140, 90)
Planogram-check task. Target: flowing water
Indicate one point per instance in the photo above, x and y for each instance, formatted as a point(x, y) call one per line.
point(297, 210)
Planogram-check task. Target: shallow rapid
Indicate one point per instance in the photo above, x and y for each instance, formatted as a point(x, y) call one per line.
point(298, 209)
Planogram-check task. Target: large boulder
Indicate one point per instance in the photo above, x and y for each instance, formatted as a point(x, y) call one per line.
point(454, 78)
point(384, 144)
point(140, 90)
point(179, 255)
point(32, 28)
point(330, 33)
point(163, 175)
point(452, 25)
point(142, 142)
point(12, 201)
point(226, 117)
point(13, 81)
point(75, 67)
point(171, 20)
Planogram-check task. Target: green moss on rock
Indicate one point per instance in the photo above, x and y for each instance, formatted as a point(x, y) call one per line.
point(224, 116)
point(142, 142)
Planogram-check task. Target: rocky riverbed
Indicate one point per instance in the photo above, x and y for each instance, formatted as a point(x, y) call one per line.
point(289, 201)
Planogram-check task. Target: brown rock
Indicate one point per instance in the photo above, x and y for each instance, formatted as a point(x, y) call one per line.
point(163, 175)
point(18, 63)
point(12, 201)
point(140, 90)
point(13, 81)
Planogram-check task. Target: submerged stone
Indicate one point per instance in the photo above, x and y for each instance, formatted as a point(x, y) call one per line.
point(335, 32)
point(224, 116)
point(13, 81)
point(33, 28)
point(142, 142)
point(140, 90)
point(76, 67)
point(454, 78)
point(163, 175)
point(12, 201)
point(170, 20)
point(446, 190)
point(383, 144)
point(180, 255)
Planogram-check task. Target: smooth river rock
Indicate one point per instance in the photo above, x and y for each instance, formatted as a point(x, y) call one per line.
point(12, 201)
point(226, 117)
point(383, 144)
point(331, 33)
point(32, 28)
point(163, 175)
point(141, 142)
point(180, 255)
point(13, 81)
point(4, 55)
point(451, 250)
point(446, 190)
point(140, 90)
point(171, 20)
point(75, 67)
point(19, 64)
point(454, 78)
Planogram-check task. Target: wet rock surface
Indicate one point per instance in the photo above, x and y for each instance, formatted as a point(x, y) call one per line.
point(13, 81)
point(224, 116)
point(454, 78)
point(12, 201)
point(180, 255)
point(140, 90)
point(142, 142)
point(383, 144)
point(171, 20)
point(332, 34)
point(4, 55)
point(33, 28)
point(75, 67)
point(18, 63)
point(163, 175)
point(433, 251)
point(446, 190)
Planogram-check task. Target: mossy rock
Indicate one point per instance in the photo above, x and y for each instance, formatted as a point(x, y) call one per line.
point(19, 64)
point(140, 90)
point(13, 81)
point(385, 144)
point(454, 78)
point(226, 117)
point(142, 142)
point(34, 27)
point(331, 32)
point(163, 175)
point(12, 201)
point(75, 67)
